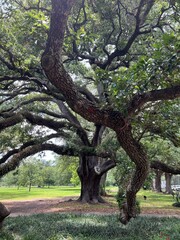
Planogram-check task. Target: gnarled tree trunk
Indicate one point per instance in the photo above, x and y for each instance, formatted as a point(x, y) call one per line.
point(118, 121)
point(139, 157)
point(90, 172)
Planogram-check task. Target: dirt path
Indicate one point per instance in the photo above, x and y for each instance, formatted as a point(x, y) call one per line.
point(69, 205)
point(36, 206)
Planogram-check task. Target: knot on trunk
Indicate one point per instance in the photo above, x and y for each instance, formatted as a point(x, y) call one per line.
point(97, 170)
point(48, 62)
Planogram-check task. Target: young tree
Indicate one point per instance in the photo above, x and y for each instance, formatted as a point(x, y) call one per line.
point(30, 173)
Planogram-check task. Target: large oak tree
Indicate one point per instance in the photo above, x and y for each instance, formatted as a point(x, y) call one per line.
point(129, 52)
point(112, 117)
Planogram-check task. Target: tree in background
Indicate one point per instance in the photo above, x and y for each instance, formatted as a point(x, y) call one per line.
point(166, 152)
point(30, 175)
point(31, 172)
point(66, 170)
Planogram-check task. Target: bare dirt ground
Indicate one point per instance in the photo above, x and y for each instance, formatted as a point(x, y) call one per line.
point(70, 205)
point(64, 205)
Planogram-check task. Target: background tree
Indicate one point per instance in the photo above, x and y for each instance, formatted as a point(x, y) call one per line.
point(64, 173)
point(48, 175)
point(161, 150)
point(29, 175)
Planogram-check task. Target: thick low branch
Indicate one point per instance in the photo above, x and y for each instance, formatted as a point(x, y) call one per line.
point(28, 151)
point(10, 121)
point(164, 167)
point(107, 166)
point(50, 123)
point(13, 162)
point(14, 151)
point(4, 212)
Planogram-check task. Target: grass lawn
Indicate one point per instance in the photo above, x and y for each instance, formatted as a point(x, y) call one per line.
point(87, 227)
point(155, 201)
point(68, 226)
point(12, 193)
point(158, 201)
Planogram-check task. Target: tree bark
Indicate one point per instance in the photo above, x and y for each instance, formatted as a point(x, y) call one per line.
point(90, 172)
point(52, 64)
point(29, 188)
point(103, 185)
point(139, 157)
point(4, 212)
point(168, 178)
point(158, 180)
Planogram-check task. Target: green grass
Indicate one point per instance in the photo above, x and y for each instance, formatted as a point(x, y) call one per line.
point(12, 193)
point(88, 227)
point(155, 200)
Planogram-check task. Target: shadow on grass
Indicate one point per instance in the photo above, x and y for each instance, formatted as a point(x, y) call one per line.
point(87, 227)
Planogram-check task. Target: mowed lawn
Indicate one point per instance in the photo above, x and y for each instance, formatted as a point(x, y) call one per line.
point(88, 227)
point(154, 202)
point(12, 193)
point(69, 226)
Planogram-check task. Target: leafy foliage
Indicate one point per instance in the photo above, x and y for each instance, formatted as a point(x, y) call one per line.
point(36, 172)
point(127, 52)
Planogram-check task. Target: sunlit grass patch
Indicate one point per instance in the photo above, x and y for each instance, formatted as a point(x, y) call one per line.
point(157, 200)
point(12, 193)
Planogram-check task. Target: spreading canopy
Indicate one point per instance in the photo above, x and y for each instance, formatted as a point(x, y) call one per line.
point(127, 50)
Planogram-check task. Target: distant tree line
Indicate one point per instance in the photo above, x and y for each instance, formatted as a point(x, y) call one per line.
point(41, 173)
